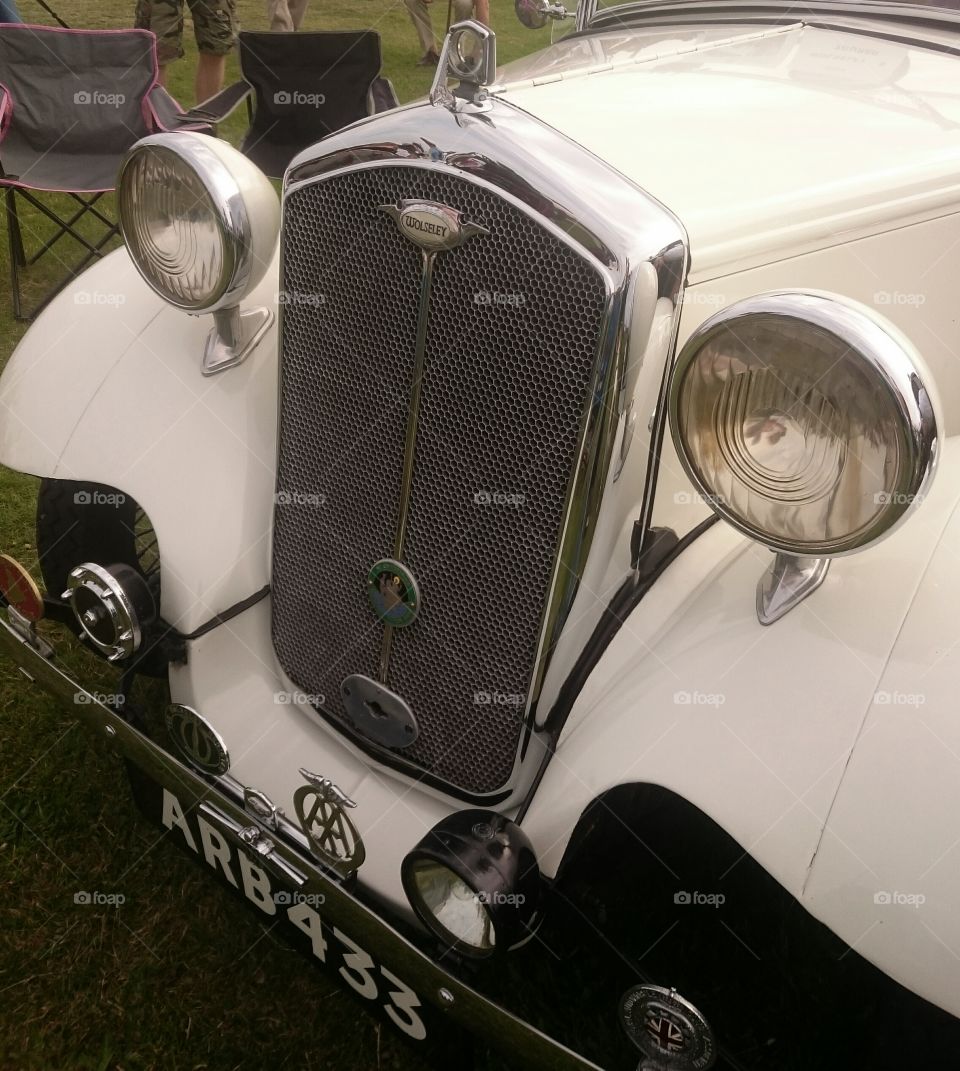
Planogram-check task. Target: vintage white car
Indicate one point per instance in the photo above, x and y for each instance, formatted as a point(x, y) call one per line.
point(547, 527)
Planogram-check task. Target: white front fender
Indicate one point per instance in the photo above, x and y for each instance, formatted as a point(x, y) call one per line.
point(776, 733)
point(107, 387)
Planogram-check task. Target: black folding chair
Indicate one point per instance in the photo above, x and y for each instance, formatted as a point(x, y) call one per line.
point(303, 86)
point(72, 102)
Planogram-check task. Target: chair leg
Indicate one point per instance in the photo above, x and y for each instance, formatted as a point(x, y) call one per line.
point(15, 243)
point(19, 259)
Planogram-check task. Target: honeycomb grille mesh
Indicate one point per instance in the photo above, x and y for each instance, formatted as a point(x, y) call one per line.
point(514, 323)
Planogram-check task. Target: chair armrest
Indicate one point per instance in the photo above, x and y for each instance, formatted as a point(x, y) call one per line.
point(383, 96)
point(6, 109)
point(168, 115)
point(216, 108)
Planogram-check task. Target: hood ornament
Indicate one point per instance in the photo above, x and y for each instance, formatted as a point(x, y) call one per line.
point(322, 811)
point(432, 226)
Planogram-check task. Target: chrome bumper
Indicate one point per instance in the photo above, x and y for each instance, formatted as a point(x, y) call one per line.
point(468, 1009)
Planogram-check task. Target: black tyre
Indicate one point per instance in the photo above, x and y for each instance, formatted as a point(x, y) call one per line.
point(88, 522)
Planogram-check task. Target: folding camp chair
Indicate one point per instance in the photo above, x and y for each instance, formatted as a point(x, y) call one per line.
point(71, 103)
point(304, 86)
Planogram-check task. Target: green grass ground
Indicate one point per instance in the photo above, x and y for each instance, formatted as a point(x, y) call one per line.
point(181, 976)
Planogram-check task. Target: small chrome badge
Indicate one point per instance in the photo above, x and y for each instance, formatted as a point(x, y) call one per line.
point(393, 593)
point(322, 810)
point(197, 740)
point(262, 808)
point(432, 226)
point(667, 1029)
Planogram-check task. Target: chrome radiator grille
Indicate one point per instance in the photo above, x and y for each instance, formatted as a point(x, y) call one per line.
point(513, 332)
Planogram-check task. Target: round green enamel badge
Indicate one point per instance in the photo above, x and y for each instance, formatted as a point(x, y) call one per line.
point(393, 593)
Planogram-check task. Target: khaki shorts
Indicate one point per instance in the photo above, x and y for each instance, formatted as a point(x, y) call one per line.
point(215, 25)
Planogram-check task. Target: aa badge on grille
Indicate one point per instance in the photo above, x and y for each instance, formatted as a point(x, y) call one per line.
point(432, 226)
point(667, 1029)
point(197, 740)
point(322, 810)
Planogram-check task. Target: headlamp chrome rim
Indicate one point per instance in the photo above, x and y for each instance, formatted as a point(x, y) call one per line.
point(228, 211)
point(493, 857)
point(888, 361)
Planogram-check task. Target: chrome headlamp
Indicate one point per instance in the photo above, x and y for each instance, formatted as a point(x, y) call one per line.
point(806, 421)
point(474, 882)
point(201, 224)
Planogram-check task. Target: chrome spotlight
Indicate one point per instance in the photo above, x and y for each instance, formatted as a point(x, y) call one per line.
point(113, 606)
point(474, 882)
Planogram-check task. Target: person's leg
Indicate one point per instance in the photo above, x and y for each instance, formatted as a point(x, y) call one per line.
point(462, 10)
point(165, 18)
point(420, 15)
point(280, 16)
point(215, 26)
point(210, 72)
point(298, 8)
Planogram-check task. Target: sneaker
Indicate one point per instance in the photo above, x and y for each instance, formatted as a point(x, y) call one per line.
point(429, 59)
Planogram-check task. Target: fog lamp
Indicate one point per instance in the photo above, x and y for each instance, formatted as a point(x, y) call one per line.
point(806, 420)
point(113, 606)
point(474, 882)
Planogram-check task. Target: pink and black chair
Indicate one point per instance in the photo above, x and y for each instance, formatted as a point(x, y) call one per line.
point(72, 102)
point(300, 87)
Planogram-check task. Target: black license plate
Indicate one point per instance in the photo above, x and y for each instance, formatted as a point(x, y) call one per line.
point(213, 838)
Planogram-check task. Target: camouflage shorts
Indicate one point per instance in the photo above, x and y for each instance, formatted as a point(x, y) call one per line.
point(215, 25)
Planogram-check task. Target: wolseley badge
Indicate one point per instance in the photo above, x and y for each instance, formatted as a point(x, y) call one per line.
point(432, 226)
point(667, 1029)
point(321, 809)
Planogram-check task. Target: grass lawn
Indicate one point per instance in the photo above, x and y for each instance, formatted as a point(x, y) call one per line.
point(180, 976)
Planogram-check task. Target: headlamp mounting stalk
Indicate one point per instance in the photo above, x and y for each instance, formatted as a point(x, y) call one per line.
point(201, 224)
point(809, 423)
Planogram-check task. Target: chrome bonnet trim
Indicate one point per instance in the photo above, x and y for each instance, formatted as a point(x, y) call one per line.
point(607, 220)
